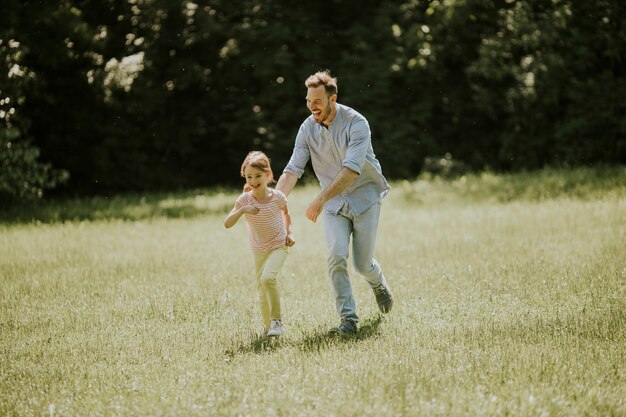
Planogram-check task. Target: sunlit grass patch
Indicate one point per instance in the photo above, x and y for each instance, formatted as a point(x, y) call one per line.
point(503, 306)
point(548, 183)
point(129, 207)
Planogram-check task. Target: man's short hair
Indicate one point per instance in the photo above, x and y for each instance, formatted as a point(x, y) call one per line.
point(322, 78)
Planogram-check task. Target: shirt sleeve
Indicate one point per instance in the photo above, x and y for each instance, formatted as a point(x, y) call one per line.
point(358, 145)
point(241, 201)
point(282, 200)
point(301, 154)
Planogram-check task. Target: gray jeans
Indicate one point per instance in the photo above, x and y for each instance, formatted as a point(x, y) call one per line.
point(337, 229)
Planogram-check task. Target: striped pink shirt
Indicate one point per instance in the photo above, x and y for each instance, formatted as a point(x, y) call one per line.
point(266, 229)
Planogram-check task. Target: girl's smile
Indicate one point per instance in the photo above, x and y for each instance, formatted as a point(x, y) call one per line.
point(258, 180)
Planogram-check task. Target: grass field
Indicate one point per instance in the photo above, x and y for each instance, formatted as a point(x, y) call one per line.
point(510, 299)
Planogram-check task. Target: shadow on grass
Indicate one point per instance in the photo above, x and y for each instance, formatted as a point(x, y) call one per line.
point(127, 207)
point(256, 345)
point(315, 342)
point(320, 340)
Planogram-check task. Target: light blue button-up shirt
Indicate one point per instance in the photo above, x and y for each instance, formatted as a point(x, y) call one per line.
point(347, 142)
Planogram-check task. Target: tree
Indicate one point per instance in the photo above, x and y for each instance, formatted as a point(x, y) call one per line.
point(160, 94)
point(22, 175)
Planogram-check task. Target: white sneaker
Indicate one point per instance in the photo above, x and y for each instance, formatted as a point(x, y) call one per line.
point(276, 329)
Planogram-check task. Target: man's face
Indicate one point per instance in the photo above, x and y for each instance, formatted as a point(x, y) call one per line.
point(319, 104)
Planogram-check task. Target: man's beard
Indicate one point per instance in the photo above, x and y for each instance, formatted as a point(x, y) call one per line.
point(326, 112)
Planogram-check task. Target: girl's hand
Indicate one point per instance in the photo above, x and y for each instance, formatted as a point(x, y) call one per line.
point(250, 209)
point(289, 241)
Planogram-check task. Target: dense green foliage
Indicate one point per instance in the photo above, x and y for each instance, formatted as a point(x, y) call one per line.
point(156, 94)
point(22, 176)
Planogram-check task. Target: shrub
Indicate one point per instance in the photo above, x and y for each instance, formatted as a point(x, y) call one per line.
point(22, 176)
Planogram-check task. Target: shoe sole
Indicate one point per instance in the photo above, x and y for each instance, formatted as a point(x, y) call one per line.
point(337, 331)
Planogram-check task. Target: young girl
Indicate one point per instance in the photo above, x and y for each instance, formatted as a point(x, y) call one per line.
point(269, 233)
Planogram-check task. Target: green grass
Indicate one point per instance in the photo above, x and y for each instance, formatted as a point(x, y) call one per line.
point(510, 300)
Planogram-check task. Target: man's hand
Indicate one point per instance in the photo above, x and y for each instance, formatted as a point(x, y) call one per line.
point(289, 241)
point(342, 180)
point(314, 209)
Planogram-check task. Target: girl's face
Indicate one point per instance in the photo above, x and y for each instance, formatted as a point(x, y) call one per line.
point(256, 178)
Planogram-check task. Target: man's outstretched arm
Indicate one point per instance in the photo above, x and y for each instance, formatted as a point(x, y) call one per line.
point(286, 182)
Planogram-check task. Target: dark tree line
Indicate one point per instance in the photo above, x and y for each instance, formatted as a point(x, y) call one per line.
point(117, 95)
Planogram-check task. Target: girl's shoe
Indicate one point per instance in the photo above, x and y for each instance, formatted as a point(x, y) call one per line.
point(276, 329)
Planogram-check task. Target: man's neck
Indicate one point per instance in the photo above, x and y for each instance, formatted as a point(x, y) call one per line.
point(330, 119)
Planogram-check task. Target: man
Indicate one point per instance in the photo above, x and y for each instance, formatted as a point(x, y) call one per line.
point(337, 140)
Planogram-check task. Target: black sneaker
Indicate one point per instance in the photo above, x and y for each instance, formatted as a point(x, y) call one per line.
point(346, 327)
point(383, 298)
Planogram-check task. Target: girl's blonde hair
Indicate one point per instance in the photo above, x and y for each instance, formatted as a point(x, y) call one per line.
point(260, 161)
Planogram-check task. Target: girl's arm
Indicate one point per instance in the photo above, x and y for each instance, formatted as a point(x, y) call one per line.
point(287, 219)
point(235, 214)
